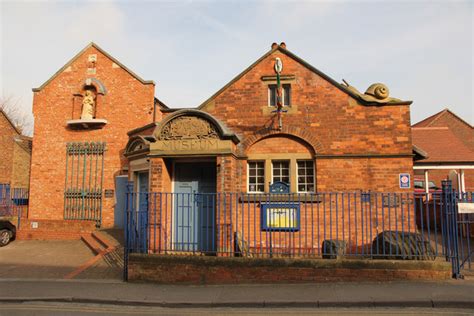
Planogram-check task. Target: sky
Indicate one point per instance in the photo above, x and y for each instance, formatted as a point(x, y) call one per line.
point(422, 50)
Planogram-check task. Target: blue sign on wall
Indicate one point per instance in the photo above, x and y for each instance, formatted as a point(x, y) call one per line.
point(404, 180)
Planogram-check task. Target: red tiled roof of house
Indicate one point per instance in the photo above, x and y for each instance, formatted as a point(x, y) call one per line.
point(441, 145)
point(430, 120)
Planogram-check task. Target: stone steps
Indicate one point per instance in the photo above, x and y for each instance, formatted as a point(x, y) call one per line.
point(94, 244)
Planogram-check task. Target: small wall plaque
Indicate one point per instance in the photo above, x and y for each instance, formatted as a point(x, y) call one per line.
point(404, 180)
point(280, 217)
point(465, 208)
point(279, 187)
point(109, 193)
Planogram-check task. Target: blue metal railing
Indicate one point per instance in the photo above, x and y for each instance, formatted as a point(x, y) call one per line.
point(13, 202)
point(353, 224)
point(409, 226)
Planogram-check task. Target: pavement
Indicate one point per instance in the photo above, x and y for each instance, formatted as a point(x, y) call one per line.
point(58, 259)
point(449, 294)
point(40, 259)
point(33, 272)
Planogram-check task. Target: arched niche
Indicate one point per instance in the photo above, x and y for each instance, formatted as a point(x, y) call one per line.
point(88, 103)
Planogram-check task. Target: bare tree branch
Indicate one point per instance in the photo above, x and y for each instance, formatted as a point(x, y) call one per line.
point(22, 121)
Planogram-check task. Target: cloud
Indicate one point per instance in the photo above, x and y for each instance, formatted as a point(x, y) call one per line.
point(191, 49)
point(40, 37)
point(99, 20)
point(201, 17)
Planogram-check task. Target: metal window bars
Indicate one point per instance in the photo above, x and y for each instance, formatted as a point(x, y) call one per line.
point(83, 181)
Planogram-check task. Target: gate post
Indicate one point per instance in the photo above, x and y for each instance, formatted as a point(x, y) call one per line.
point(127, 228)
point(449, 207)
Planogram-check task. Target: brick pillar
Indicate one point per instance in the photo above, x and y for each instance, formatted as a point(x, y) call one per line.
point(227, 185)
point(160, 211)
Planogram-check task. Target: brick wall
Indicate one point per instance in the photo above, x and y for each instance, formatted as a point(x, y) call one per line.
point(53, 229)
point(7, 134)
point(354, 147)
point(352, 174)
point(127, 104)
point(208, 270)
point(21, 165)
point(332, 123)
point(279, 144)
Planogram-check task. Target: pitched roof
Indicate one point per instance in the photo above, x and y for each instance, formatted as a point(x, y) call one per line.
point(92, 44)
point(419, 153)
point(441, 145)
point(429, 121)
point(305, 64)
point(25, 143)
point(10, 121)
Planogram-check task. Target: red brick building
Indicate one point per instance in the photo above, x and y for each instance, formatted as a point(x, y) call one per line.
point(448, 144)
point(330, 136)
point(15, 154)
point(78, 154)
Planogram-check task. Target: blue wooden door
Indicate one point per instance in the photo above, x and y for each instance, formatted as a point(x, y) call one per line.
point(120, 201)
point(194, 215)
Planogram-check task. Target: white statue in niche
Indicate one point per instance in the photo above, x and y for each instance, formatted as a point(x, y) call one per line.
point(88, 104)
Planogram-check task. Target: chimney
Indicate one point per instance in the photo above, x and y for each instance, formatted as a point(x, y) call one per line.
point(283, 45)
point(274, 45)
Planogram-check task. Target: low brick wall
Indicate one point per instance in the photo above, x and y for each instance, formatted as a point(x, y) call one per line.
point(54, 229)
point(217, 270)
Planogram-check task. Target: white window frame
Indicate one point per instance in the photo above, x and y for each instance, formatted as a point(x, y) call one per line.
point(297, 176)
point(289, 169)
point(248, 175)
point(282, 94)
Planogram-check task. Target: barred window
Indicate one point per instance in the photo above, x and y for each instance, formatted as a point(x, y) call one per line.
point(286, 94)
point(256, 176)
point(84, 177)
point(305, 176)
point(281, 171)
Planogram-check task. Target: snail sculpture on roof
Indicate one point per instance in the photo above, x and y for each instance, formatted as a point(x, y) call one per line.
point(378, 90)
point(375, 93)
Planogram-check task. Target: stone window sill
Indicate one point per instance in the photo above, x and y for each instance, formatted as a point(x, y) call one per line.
point(291, 198)
point(86, 124)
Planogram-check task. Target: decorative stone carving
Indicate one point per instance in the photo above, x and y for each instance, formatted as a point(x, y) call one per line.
point(88, 105)
point(188, 127)
point(377, 93)
point(378, 90)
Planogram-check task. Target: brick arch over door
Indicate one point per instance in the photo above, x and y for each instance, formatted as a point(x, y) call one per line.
point(295, 132)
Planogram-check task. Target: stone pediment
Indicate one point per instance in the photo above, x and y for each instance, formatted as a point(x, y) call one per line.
point(137, 146)
point(188, 127)
point(192, 132)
